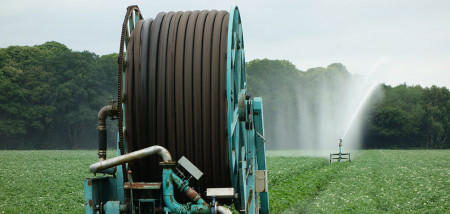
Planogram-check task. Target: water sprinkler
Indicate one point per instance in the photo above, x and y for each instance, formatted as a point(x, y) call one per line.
point(340, 156)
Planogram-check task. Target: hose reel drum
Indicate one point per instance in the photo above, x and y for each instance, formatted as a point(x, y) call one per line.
point(182, 87)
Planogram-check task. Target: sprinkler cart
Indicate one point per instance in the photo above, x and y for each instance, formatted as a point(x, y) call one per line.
point(340, 156)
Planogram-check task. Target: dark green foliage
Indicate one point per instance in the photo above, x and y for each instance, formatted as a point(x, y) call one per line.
point(50, 96)
point(410, 117)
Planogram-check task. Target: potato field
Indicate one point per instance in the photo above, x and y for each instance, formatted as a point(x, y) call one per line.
point(376, 181)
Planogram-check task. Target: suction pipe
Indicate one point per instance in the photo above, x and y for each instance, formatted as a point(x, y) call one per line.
point(109, 110)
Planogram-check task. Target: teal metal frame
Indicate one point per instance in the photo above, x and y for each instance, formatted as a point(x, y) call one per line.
point(261, 149)
point(245, 119)
point(98, 190)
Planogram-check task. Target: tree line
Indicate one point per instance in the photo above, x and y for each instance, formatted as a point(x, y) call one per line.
point(410, 117)
point(50, 96)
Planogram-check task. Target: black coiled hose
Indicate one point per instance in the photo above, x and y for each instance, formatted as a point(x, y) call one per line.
point(175, 93)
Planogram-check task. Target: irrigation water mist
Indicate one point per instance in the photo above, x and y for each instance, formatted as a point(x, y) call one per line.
point(326, 111)
point(359, 108)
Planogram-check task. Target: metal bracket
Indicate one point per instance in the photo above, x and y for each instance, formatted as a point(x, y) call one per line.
point(262, 137)
point(190, 167)
point(260, 181)
point(220, 192)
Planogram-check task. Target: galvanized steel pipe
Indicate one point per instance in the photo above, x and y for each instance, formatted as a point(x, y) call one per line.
point(161, 151)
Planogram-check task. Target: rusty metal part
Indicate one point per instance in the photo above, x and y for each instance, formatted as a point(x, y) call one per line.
point(110, 110)
point(120, 96)
point(192, 194)
point(249, 200)
point(142, 185)
point(159, 150)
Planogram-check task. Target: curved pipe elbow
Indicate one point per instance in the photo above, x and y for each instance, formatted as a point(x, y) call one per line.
point(103, 113)
point(106, 111)
point(174, 207)
point(197, 206)
point(109, 110)
point(163, 153)
point(159, 150)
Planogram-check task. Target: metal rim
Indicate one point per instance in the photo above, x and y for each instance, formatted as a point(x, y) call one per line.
point(235, 86)
point(132, 13)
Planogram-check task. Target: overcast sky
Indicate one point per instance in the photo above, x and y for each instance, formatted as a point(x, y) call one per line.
point(393, 41)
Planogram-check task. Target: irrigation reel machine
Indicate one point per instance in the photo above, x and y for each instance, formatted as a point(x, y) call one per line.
point(190, 139)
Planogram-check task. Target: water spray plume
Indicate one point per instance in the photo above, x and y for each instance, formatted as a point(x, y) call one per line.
point(360, 106)
point(326, 104)
point(369, 77)
point(374, 69)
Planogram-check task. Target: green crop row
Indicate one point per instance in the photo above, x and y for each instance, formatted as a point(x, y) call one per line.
point(377, 181)
point(294, 181)
point(390, 181)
